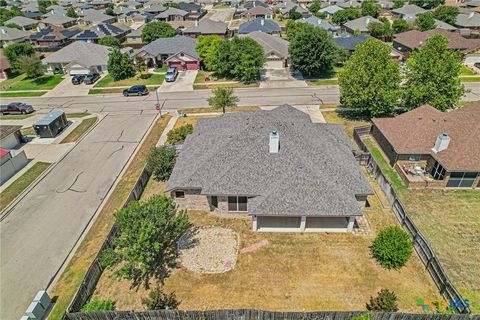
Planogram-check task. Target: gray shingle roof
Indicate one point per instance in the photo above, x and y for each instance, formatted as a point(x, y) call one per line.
point(56, 19)
point(317, 22)
point(82, 53)
point(22, 21)
point(360, 23)
point(314, 172)
point(95, 16)
point(410, 10)
point(207, 26)
point(170, 46)
point(270, 44)
point(171, 12)
point(268, 26)
point(9, 34)
point(471, 20)
point(350, 42)
point(331, 9)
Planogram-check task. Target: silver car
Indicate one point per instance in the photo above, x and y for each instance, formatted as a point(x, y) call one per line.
point(171, 74)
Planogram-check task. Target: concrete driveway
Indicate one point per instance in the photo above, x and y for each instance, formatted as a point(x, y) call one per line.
point(184, 82)
point(280, 78)
point(67, 89)
point(41, 230)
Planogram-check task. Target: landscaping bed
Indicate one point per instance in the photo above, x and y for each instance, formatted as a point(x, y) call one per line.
point(153, 79)
point(79, 130)
point(20, 83)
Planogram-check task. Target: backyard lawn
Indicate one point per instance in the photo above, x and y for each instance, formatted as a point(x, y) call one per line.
point(153, 79)
point(20, 82)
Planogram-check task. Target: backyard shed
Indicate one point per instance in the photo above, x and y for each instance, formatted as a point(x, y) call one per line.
point(51, 125)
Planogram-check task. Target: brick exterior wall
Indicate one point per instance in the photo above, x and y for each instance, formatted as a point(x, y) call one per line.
point(384, 144)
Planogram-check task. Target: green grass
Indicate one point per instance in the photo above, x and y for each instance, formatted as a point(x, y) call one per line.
point(465, 71)
point(20, 82)
point(79, 130)
point(6, 94)
point(161, 69)
point(77, 114)
point(201, 75)
point(29, 131)
point(153, 79)
point(470, 79)
point(225, 85)
point(16, 116)
point(322, 82)
point(17, 187)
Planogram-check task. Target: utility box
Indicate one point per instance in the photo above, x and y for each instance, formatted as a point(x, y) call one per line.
point(35, 310)
point(43, 298)
point(51, 125)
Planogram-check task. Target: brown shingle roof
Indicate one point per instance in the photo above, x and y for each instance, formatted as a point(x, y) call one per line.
point(8, 130)
point(415, 39)
point(416, 131)
point(258, 10)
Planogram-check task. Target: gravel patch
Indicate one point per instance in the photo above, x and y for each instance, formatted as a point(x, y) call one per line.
point(208, 250)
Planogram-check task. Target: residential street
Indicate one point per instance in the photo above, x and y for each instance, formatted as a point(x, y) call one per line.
point(40, 231)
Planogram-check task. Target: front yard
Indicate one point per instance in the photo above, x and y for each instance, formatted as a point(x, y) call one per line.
point(207, 80)
point(21, 83)
point(153, 79)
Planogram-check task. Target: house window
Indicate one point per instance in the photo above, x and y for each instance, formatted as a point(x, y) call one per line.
point(461, 179)
point(237, 204)
point(415, 157)
point(179, 194)
point(438, 172)
point(215, 201)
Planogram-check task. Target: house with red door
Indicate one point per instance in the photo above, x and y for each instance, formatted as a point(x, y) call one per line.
point(178, 52)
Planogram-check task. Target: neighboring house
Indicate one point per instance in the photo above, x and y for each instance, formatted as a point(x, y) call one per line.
point(52, 38)
point(349, 4)
point(58, 20)
point(443, 25)
point(80, 58)
point(264, 25)
point(10, 136)
point(25, 23)
point(349, 42)
point(11, 161)
point(385, 4)
point(36, 15)
point(178, 52)
point(330, 10)
point(172, 14)
point(207, 27)
point(95, 33)
point(430, 148)
point(135, 17)
point(251, 4)
point(135, 36)
point(408, 41)
point(275, 49)
point(317, 22)
point(195, 10)
point(155, 9)
point(408, 12)
point(123, 10)
point(360, 24)
point(287, 173)
point(101, 4)
point(470, 20)
point(288, 7)
point(12, 35)
point(257, 12)
point(95, 17)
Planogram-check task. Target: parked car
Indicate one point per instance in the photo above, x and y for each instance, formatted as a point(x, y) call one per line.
point(135, 91)
point(78, 78)
point(171, 74)
point(16, 108)
point(91, 78)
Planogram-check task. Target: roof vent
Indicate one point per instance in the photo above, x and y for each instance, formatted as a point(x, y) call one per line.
point(274, 143)
point(471, 15)
point(442, 143)
point(196, 22)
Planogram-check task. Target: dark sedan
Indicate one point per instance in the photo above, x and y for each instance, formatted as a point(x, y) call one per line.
point(77, 79)
point(16, 108)
point(135, 91)
point(91, 78)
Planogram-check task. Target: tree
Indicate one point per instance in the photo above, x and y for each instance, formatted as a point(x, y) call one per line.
point(109, 11)
point(400, 25)
point(13, 26)
point(13, 51)
point(294, 14)
point(446, 14)
point(370, 81)
point(292, 27)
point(370, 8)
point(140, 65)
point(427, 4)
point(71, 13)
point(392, 248)
point(313, 8)
point(248, 59)
point(206, 48)
point(161, 161)
point(146, 244)
point(432, 75)
point(398, 3)
point(312, 51)
point(179, 134)
point(321, 15)
point(98, 305)
point(158, 300)
point(221, 62)
point(109, 41)
point(6, 14)
point(425, 21)
point(386, 301)
point(223, 98)
point(376, 29)
point(157, 29)
point(342, 16)
point(120, 65)
point(30, 65)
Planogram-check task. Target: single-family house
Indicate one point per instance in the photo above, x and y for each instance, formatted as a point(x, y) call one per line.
point(155, 9)
point(408, 12)
point(275, 49)
point(207, 27)
point(101, 4)
point(135, 36)
point(445, 26)
point(264, 25)
point(10, 136)
point(408, 41)
point(350, 42)
point(321, 23)
point(135, 17)
point(58, 20)
point(251, 4)
point(36, 15)
point(11, 161)
point(121, 10)
point(178, 52)
point(195, 10)
point(53, 38)
point(285, 172)
point(172, 14)
point(95, 17)
point(360, 24)
point(330, 10)
point(257, 12)
point(430, 148)
point(24, 22)
point(350, 4)
point(12, 35)
point(288, 7)
point(97, 32)
point(470, 20)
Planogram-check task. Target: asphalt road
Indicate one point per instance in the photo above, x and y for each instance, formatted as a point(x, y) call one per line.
point(41, 230)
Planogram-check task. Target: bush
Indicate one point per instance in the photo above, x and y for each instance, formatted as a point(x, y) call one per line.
point(392, 248)
point(363, 316)
point(158, 300)
point(386, 301)
point(179, 134)
point(98, 305)
point(160, 162)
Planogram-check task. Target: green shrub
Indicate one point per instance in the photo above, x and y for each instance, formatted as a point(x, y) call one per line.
point(95, 304)
point(158, 300)
point(160, 162)
point(179, 134)
point(363, 316)
point(145, 75)
point(392, 248)
point(386, 301)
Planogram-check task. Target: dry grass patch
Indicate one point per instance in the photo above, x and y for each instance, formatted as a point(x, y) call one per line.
point(80, 130)
point(348, 124)
point(182, 121)
point(71, 278)
point(212, 110)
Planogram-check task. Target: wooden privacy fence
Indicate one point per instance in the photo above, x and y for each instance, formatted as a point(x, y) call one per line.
point(422, 247)
point(89, 282)
point(256, 314)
